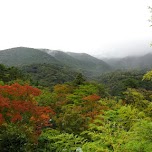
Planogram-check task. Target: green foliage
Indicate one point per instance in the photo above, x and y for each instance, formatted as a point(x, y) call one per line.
point(1, 83)
point(94, 147)
point(81, 92)
point(104, 136)
point(128, 116)
point(148, 76)
point(118, 81)
point(148, 110)
point(125, 128)
point(132, 96)
point(140, 138)
point(10, 74)
point(48, 75)
point(136, 98)
point(72, 120)
point(86, 118)
point(46, 98)
point(54, 141)
point(131, 82)
point(79, 79)
point(14, 138)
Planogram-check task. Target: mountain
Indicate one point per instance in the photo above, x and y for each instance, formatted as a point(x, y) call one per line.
point(63, 57)
point(131, 62)
point(88, 59)
point(25, 56)
point(79, 62)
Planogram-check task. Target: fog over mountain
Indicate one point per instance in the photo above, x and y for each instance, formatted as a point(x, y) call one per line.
point(100, 28)
point(136, 48)
point(81, 62)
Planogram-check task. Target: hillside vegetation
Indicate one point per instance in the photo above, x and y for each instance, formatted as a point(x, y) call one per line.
point(77, 116)
point(84, 63)
point(48, 75)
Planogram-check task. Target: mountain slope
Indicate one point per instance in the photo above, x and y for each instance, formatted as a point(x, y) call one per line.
point(90, 61)
point(82, 62)
point(63, 57)
point(48, 75)
point(25, 56)
point(132, 62)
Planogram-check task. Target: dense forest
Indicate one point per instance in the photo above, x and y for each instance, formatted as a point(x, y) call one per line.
point(70, 112)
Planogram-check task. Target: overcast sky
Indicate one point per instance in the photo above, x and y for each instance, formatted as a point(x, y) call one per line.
point(102, 27)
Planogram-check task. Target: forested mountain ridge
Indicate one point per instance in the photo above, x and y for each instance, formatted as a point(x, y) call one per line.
point(131, 62)
point(83, 63)
point(25, 56)
point(63, 57)
point(90, 61)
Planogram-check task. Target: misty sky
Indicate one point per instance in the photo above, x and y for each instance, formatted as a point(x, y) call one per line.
point(110, 28)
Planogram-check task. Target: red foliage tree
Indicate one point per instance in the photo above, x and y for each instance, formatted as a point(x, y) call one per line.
point(18, 105)
point(19, 92)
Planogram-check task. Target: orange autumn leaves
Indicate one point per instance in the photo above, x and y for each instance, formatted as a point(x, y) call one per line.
point(17, 105)
point(17, 91)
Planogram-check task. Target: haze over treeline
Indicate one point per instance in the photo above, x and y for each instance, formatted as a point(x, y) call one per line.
point(102, 28)
point(137, 48)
